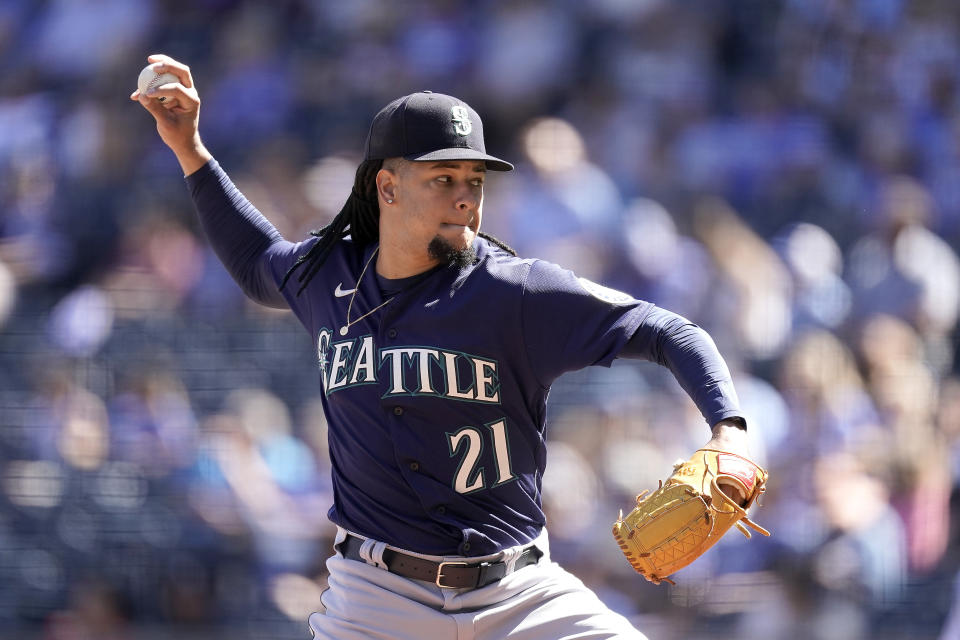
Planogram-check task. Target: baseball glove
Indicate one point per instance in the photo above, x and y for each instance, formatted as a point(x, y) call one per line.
point(677, 523)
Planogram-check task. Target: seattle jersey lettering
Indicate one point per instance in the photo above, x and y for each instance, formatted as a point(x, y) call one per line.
point(411, 370)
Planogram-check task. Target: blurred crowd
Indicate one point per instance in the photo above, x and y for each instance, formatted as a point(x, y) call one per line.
point(781, 172)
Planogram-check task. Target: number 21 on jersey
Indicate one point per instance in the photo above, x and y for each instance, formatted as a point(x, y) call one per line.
point(469, 476)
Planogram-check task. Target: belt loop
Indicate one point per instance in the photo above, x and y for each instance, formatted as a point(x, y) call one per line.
point(510, 558)
point(340, 538)
point(372, 553)
point(376, 553)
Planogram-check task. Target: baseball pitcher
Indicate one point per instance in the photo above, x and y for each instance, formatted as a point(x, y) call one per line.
point(436, 347)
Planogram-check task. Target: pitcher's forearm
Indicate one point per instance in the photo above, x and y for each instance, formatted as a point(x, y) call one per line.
point(192, 156)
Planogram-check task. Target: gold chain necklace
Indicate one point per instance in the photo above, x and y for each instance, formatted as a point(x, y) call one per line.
point(345, 328)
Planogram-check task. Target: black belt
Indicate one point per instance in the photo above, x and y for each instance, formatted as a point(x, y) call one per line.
point(455, 574)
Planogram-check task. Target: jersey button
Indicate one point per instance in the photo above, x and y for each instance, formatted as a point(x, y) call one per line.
point(398, 411)
point(414, 466)
point(392, 333)
point(441, 509)
point(466, 546)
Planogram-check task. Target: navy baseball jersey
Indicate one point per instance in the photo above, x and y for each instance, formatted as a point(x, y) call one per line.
point(435, 387)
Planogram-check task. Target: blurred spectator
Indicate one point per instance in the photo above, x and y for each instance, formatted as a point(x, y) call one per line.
point(830, 411)
point(160, 262)
point(863, 557)
point(906, 395)
point(566, 209)
point(271, 479)
point(820, 296)
point(753, 296)
point(81, 322)
point(856, 569)
point(904, 269)
point(828, 399)
point(97, 612)
point(663, 266)
point(32, 244)
point(153, 422)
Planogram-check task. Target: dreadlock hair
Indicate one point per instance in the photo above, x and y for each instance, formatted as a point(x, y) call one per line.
point(500, 243)
point(360, 219)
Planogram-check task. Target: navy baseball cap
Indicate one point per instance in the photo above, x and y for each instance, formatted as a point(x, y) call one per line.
point(429, 126)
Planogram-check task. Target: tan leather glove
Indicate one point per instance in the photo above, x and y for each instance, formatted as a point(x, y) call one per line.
point(677, 523)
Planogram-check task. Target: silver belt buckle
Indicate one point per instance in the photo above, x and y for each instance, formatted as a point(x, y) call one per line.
point(455, 563)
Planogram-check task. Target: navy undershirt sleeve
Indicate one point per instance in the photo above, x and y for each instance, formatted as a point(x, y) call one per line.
point(690, 354)
point(239, 234)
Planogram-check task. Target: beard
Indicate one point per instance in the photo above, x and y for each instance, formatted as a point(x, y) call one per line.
point(441, 250)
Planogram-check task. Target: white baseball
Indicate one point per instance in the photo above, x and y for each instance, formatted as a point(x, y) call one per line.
point(149, 79)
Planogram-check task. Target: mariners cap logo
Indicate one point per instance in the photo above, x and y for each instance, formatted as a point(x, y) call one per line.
point(461, 120)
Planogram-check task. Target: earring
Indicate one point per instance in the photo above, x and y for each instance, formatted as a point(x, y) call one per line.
point(389, 201)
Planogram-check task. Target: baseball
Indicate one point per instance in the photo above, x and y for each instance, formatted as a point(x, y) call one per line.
point(149, 79)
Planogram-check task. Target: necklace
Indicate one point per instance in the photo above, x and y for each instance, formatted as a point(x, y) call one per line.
point(345, 328)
